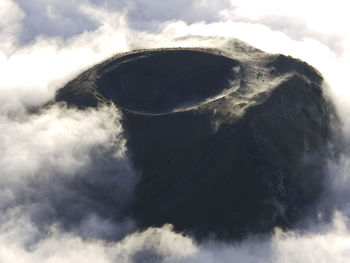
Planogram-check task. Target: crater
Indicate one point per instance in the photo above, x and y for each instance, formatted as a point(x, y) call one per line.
point(158, 82)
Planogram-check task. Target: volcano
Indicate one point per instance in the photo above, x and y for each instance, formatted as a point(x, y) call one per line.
point(227, 141)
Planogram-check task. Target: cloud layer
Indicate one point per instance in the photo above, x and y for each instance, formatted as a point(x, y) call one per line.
point(63, 171)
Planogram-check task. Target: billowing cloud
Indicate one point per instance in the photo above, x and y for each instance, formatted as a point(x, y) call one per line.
point(163, 245)
point(67, 167)
point(65, 175)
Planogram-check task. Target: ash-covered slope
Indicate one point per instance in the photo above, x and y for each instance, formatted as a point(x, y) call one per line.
point(227, 141)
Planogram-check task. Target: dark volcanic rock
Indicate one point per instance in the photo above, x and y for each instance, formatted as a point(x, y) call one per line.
point(227, 141)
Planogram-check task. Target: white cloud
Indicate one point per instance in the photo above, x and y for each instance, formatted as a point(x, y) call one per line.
point(57, 163)
point(10, 24)
point(58, 138)
point(164, 245)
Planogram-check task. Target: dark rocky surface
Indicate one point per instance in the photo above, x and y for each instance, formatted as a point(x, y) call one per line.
point(228, 142)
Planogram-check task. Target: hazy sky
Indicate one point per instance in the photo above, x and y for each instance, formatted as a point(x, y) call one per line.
point(44, 156)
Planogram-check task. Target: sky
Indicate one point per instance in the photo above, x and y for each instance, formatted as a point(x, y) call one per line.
point(46, 156)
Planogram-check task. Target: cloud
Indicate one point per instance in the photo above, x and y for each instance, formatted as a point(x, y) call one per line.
point(164, 245)
point(291, 247)
point(67, 167)
point(10, 23)
point(152, 245)
point(53, 18)
point(67, 18)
